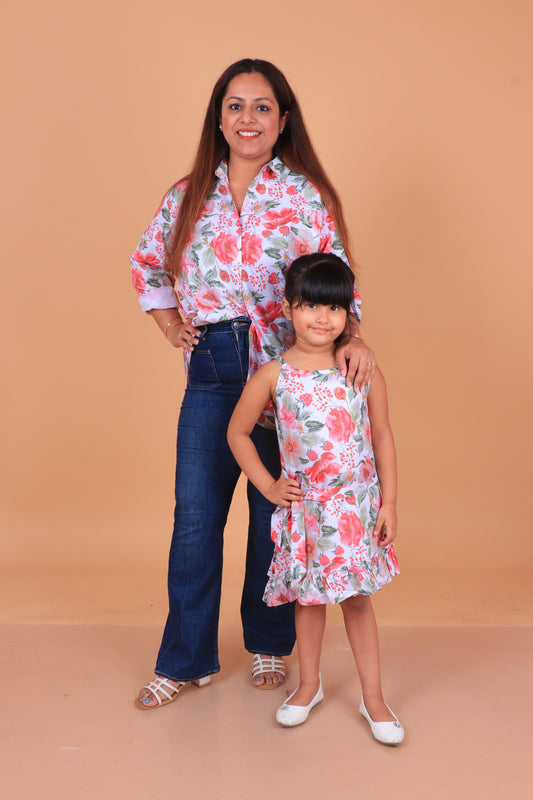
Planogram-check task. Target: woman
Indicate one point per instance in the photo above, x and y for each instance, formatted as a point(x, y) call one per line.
point(256, 198)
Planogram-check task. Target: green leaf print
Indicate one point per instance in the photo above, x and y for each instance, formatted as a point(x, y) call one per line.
point(310, 441)
point(166, 213)
point(327, 545)
point(314, 425)
point(278, 242)
point(272, 252)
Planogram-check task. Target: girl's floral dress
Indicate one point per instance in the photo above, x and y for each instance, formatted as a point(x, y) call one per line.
point(324, 548)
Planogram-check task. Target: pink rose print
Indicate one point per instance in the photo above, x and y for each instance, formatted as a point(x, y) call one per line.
point(256, 339)
point(310, 549)
point(350, 529)
point(323, 468)
point(276, 219)
point(299, 248)
point(260, 188)
point(328, 445)
point(317, 218)
point(307, 398)
point(340, 425)
point(288, 417)
point(366, 470)
point(291, 446)
point(208, 208)
point(138, 280)
point(225, 247)
point(252, 249)
point(268, 313)
point(300, 554)
point(336, 563)
point(312, 455)
point(147, 259)
point(186, 266)
point(224, 276)
point(207, 299)
point(325, 243)
point(311, 522)
point(340, 393)
point(392, 558)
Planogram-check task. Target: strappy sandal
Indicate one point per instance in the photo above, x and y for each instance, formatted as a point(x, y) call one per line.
point(160, 686)
point(266, 665)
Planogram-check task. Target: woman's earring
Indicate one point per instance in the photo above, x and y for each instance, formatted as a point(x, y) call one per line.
point(220, 127)
point(281, 130)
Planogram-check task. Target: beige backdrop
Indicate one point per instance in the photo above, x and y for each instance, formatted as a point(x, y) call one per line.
point(421, 112)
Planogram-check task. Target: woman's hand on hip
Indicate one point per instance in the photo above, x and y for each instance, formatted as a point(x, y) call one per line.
point(356, 361)
point(183, 334)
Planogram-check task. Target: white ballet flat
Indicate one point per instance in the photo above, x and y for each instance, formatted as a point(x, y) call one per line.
point(290, 716)
point(384, 732)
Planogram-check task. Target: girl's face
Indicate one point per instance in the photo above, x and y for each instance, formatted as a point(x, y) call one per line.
point(250, 118)
point(314, 324)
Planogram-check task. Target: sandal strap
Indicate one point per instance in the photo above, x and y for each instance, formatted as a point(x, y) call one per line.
point(265, 664)
point(159, 684)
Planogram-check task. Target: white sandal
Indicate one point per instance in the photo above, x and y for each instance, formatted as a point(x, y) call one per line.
point(266, 665)
point(160, 686)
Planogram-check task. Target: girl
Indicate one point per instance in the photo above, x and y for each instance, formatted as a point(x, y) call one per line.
point(335, 519)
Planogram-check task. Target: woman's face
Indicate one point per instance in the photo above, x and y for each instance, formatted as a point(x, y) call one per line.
point(250, 118)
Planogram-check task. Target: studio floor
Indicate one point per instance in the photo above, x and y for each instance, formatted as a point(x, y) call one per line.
point(70, 670)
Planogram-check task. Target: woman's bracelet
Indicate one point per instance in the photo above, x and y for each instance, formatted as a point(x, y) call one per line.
point(171, 322)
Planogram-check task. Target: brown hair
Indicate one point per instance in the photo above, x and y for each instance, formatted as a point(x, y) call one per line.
point(294, 148)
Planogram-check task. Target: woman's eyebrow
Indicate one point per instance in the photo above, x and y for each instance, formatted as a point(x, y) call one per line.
point(234, 97)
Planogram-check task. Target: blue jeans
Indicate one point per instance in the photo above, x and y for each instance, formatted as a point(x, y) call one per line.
point(206, 475)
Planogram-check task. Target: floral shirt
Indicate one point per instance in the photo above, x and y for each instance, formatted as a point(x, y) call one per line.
point(235, 264)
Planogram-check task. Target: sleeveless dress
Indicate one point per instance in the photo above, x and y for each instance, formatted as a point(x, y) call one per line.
point(324, 551)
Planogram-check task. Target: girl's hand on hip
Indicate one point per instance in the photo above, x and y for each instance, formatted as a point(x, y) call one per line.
point(184, 334)
point(356, 361)
point(284, 491)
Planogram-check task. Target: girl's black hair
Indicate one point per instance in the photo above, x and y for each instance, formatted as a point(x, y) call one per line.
point(321, 278)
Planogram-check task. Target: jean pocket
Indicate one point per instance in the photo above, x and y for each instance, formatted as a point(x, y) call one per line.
point(202, 370)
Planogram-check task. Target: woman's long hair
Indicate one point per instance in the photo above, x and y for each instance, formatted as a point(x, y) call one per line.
point(293, 147)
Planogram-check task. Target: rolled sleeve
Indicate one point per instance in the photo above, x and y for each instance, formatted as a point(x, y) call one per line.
point(153, 284)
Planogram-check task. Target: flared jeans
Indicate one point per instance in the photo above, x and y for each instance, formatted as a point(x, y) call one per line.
point(206, 476)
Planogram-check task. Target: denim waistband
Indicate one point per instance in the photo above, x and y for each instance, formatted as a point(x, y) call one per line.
point(237, 323)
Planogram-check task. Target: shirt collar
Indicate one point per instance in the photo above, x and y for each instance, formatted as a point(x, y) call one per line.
point(274, 169)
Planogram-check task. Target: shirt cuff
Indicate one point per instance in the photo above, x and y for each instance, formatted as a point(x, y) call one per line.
point(164, 297)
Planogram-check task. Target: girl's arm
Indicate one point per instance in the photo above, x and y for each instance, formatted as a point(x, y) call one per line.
point(385, 456)
point(257, 393)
